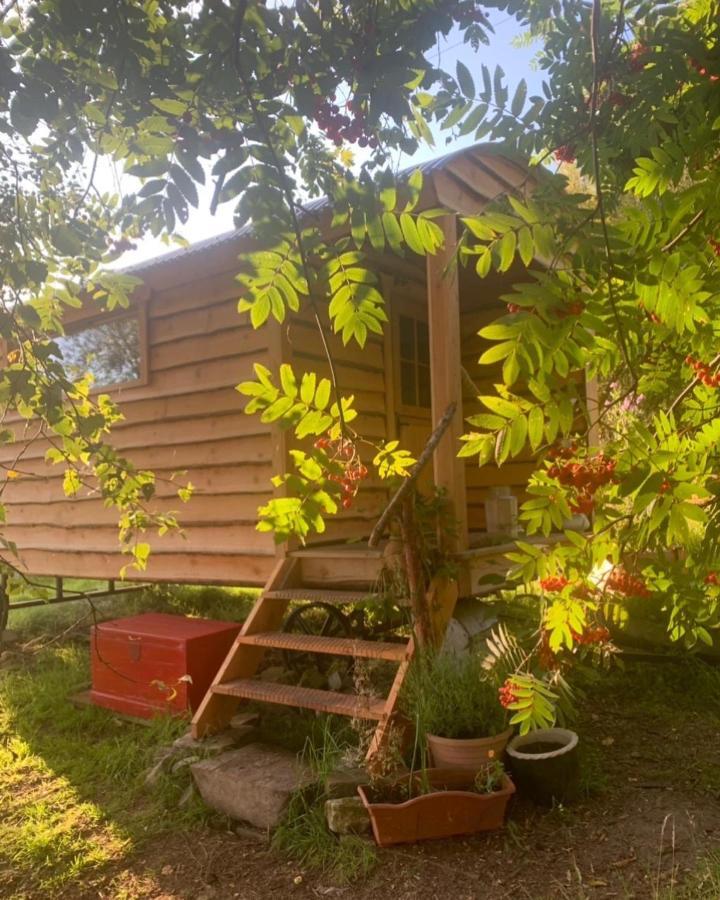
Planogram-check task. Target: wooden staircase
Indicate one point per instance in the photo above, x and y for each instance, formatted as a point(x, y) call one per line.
point(236, 680)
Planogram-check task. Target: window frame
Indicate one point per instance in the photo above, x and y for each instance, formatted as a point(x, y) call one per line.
point(138, 312)
point(417, 314)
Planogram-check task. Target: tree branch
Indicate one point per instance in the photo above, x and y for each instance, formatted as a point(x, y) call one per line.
point(408, 483)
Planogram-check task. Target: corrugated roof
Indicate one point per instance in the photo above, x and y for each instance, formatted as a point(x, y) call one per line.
point(228, 237)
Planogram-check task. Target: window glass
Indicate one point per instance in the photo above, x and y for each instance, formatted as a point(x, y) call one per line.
point(408, 388)
point(414, 346)
point(110, 351)
point(423, 343)
point(407, 338)
point(423, 375)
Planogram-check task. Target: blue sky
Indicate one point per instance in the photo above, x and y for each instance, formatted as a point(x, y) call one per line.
point(516, 62)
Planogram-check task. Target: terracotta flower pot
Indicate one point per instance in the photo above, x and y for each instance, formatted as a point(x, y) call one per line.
point(452, 808)
point(545, 765)
point(468, 754)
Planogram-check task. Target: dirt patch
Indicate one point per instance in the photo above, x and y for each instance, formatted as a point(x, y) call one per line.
point(656, 813)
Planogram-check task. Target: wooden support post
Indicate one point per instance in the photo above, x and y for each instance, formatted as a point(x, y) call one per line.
point(59, 589)
point(445, 375)
point(4, 603)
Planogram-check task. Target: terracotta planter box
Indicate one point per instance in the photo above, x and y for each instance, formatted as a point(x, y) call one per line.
point(452, 809)
point(468, 754)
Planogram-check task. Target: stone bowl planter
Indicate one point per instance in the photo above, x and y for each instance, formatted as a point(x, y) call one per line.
point(450, 808)
point(468, 754)
point(545, 765)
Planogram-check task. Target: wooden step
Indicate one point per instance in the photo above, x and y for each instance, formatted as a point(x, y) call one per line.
point(309, 698)
point(310, 643)
point(310, 595)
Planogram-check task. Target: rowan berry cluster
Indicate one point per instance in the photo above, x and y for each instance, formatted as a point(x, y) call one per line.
point(714, 246)
point(622, 582)
point(340, 127)
point(344, 451)
point(703, 372)
point(712, 578)
point(554, 583)
point(586, 477)
point(702, 70)
point(547, 658)
point(507, 694)
point(597, 635)
point(469, 13)
point(565, 154)
point(638, 53)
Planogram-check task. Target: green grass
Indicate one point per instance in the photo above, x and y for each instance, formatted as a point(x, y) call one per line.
point(304, 834)
point(703, 885)
point(232, 604)
point(72, 781)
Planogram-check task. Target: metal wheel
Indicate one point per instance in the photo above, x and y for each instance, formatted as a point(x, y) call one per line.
point(321, 620)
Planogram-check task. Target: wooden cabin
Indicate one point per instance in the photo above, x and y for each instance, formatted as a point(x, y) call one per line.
point(181, 348)
point(172, 361)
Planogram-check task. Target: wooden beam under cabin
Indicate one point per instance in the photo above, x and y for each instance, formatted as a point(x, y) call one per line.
point(446, 384)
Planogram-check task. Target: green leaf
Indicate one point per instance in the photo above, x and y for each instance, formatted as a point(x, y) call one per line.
point(410, 233)
point(507, 247)
point(172, 107)
point(518, 101)
point(465, 80)
point(536, 422)
point(526, 246)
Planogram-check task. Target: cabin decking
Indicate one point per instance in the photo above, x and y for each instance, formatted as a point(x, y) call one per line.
point(347, 566)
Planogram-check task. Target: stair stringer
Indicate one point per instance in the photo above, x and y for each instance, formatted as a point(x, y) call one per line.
point(243, 660)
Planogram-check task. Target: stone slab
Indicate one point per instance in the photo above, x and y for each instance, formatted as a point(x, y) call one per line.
point(251, 784)
point(347, 815)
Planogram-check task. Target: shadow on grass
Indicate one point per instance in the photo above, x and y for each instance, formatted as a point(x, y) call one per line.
point(72, 781)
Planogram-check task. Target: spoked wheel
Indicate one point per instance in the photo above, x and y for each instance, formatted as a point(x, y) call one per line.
point(320, 620)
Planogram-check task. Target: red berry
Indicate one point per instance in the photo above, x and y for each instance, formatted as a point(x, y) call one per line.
point(554, 583)
point(513, 308)
point(507, 693)
point(347, 503)
point(565, 154)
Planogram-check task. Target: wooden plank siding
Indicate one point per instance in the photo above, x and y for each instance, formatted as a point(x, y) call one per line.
point(186, 424)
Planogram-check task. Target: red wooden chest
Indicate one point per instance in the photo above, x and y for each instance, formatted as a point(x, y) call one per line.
point(156, 663)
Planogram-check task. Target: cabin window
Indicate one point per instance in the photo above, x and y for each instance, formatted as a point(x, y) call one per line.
point(112, 352)
point(414, 354)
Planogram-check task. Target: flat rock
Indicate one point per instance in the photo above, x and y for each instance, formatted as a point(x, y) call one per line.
point(347, 815)
point(251, 784)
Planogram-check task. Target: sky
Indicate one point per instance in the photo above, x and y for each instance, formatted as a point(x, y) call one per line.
point(516, 62)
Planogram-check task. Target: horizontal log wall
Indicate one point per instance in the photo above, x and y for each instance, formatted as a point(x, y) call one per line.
point(186, 424)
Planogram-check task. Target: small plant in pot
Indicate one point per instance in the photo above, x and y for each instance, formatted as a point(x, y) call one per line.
point(453, 702)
